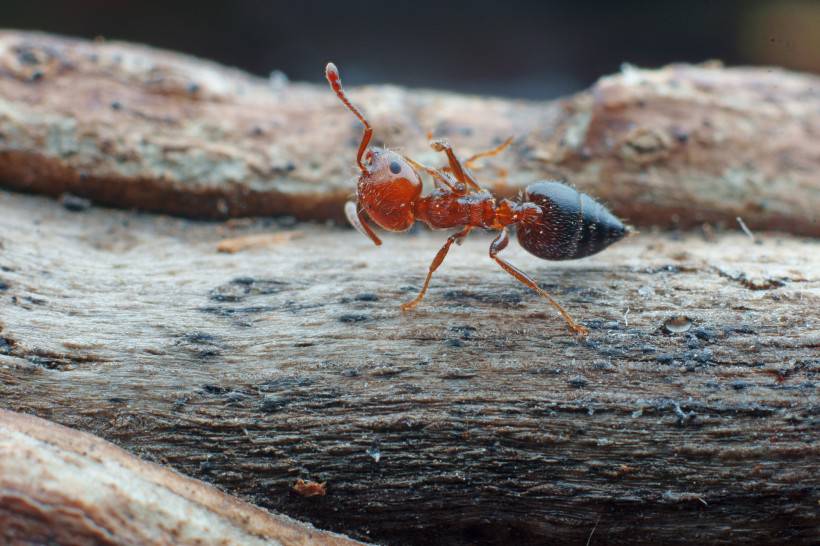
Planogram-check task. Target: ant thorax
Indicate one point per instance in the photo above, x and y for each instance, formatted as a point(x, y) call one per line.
point(443, 209)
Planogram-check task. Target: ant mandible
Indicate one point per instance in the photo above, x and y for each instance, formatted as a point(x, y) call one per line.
point(553, 221)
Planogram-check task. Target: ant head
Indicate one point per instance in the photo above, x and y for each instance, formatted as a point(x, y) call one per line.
point(388, 185)
point(388, 190)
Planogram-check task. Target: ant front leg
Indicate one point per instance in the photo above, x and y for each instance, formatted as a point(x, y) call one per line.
point(461, 174)
point(499, 244)
point(434, 265)
point(357, 219)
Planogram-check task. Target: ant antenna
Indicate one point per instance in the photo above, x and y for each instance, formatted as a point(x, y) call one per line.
point(332, 75)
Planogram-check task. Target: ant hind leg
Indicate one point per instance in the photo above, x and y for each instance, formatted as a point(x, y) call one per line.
point(487, 153)
point(434, 265)
point(499, 244)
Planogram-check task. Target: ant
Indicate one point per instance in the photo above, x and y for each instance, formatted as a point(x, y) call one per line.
point(553, 220)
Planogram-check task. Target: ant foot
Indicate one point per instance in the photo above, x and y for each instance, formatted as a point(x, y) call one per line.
point(409, 306)
point(439, 145)
point(579, 330)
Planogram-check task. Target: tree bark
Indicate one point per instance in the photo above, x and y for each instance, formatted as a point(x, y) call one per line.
point(689, 414)
point(61, 486)
point(130, 126)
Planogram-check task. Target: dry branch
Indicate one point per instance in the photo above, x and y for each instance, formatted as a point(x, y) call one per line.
point(136, 127)
point(688, 416)
point(61, 486)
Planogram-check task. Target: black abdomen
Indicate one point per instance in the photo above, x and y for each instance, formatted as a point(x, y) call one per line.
point(571, 225)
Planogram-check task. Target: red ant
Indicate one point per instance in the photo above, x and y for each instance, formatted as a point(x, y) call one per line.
point(554, 221)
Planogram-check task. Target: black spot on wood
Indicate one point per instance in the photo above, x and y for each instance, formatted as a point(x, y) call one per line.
point(235, 397)
point(272, 403)
point(665, 358)
point(578, 382)
point(506, 299)
point(681, 136)
point(74, 203)
point(6, 345)
point(214, 389)
point(287, 383)
point(612, 351)
point(200, 337)
point(465, 331)
point(28, 56)
point(353, 317)
point(243, 287)
point(236, 311)
point(201, 344)
point(742, 329)
point(46, 362)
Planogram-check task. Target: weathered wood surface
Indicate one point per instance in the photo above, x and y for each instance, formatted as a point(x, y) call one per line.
point(136, 127)
point(475, 418)
point(61, 486)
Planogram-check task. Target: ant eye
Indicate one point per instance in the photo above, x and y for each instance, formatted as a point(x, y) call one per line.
point(395, 168)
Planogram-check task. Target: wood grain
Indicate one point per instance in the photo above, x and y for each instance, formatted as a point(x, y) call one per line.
point(135, 127)
point(61, 486)
point(688, 416)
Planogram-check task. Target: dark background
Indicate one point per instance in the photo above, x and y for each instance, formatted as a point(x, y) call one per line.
point(525, 49)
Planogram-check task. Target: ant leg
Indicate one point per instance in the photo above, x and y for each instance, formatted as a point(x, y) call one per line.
point(434, 265)
point(438, 176)
point(357, 220)
point(468, 163)
point(499, 244)
point(456, 167)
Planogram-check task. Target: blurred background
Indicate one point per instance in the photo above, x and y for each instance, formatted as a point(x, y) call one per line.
point(527, 49)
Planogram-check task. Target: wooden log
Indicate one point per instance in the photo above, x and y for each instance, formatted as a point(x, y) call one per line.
point(61, 486)
point(130, 126)
point(688, 416)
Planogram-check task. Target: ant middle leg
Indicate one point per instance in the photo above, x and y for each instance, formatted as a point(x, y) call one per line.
point(458, 170)
point(499, 244)
point(434, 265)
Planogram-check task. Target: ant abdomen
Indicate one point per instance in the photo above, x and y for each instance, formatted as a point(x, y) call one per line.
point(571, 225)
